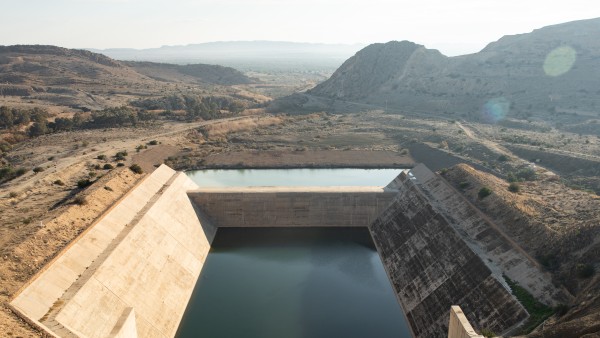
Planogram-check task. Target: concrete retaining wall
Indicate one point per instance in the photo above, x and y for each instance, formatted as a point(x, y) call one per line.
point(292, 207)
point(145, 254)
point(432, 268)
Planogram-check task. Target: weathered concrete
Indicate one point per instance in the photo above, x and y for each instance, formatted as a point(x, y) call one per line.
point(459, 326)
point(432, 268)
point(495, 248)
point(146, 254)
point(292, 206)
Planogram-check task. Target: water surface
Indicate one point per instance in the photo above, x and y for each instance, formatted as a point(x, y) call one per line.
point(293, 282)
point(293, 177)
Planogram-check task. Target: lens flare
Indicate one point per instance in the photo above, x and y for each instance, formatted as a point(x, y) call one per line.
point(495, 110)
point(559, 61)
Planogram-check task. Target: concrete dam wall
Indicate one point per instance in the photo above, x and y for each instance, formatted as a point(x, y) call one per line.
point(131, 274)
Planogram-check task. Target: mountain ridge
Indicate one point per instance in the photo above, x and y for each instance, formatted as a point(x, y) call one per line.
point(513, 69)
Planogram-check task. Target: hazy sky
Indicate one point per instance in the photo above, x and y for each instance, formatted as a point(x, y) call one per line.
point(452, 26)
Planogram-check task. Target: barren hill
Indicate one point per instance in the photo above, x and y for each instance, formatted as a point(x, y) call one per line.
point(196, 73)
point(552, 68)
point(79, 79)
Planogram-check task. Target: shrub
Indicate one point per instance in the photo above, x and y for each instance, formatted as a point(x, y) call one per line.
point(514, 187)
point(463, 185)
point(97, 167)
point(83, 183)
point(38, 170)
point(502, 158)
point(487, 333)
point(153, 142)
point(120, 156)
point(20, 171)
point(120, 164)
point(106, 187)
point(80, 200)
point(12, 194)
point(107, 166)
point(136, 169)
point(50, 158)
point(59, 182)
point(101, 157)
point(584, 270)
point(484, 192)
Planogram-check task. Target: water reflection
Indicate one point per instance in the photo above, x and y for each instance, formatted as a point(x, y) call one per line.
point(293, 282)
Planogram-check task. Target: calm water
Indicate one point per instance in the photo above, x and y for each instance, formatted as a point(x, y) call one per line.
point(293, 282)
point(293, 177)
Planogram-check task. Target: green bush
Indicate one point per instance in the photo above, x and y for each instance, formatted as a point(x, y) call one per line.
point(136, 169)
point(484, 192)
point(101, 157)
point(153, 142)
point(463, 185)
point(514, 187)
point(38, 170)
point(503, 158)
point(59, 182)
point(585, 270)
point(12, 194)
point(107, 166)
point(120, 164)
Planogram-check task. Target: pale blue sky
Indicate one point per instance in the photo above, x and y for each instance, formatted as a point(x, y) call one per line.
point(452, 26)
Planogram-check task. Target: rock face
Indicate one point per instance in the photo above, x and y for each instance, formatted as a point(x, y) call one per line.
point(549, 68)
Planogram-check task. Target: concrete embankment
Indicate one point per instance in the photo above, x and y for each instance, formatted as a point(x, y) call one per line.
point(144, 254)
point(440, 251)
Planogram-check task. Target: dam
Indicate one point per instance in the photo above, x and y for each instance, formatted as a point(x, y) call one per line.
point(132, 272)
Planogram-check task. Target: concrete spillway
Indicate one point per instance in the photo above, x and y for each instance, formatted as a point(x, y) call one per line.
point(133, 271)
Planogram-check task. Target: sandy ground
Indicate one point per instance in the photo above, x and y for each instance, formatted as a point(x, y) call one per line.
point(309, 158)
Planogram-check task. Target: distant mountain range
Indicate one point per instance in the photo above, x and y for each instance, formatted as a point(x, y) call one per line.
point(552, 68)
point(243, 54)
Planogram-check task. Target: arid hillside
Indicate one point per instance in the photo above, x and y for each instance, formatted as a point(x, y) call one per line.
point(71, 79)
point(550, 70)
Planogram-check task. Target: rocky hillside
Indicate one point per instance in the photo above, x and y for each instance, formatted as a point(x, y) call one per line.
point(196, 73)
point(80, 79)
point(555, 68)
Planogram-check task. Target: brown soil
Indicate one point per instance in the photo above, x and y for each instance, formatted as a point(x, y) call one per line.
point(309, 158)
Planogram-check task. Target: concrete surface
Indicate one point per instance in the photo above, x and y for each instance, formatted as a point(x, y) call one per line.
point(431, 268)
point(125, 326)
point(292, 206)
point(459, 326)
point(146, 254)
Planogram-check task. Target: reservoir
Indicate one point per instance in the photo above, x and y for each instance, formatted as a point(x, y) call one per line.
point(293, 282)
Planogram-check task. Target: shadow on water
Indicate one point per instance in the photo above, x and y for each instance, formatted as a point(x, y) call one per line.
point(293, 282)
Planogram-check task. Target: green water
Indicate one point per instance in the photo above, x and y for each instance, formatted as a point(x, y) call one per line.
point(293, 282)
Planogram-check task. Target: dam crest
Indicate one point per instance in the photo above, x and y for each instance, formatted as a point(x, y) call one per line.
point(132, 272)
